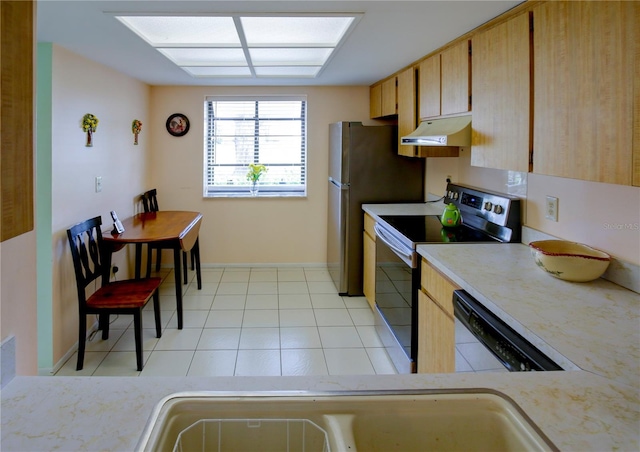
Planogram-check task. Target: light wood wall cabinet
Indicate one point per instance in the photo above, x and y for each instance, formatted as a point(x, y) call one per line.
point(382, 99)
point(445, 82)
point(501, 133)
point(456, 79)
point(586, 69)
point(429, 87)
point(369, 260)
point(436, 324)
point(407, 110)
point(16, 118)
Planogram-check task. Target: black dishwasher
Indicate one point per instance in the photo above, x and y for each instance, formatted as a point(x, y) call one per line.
point(512, 350)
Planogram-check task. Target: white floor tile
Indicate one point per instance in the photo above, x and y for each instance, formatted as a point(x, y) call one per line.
point(232, 288)
point(210, 275)
point(259, 338)
point(333, 317)
point(236, 276)
point(303, 362)
point(356, 302)
point(91, 362)
point(300, 337)
point(348, 361)
point(362, 316)
point(318, 275)
point(294, 301)
point(339, 337)
point(190, 319)
point(197, 302)
point(119, 364)
point(258, 363)
point(213, 363)
point(261, 318)
point(292, 288)
point(262, 301)
point(127, 342)
point(224, 319)
point(297, 317)
point(185, 339)
point(163, 363)
point(228, 302)
point(97, 344)
point(368, 336)
point(381, 361)
point(263, 275)
point(265, 287)
point(290, 275)
point(208, 288)
point(219, 339)
point(327, 301)
point(322, 287)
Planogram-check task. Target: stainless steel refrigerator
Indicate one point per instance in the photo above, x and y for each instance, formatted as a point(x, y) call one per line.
point(364, 168)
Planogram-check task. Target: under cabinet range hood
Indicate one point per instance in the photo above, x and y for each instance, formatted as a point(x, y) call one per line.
point(454, 131)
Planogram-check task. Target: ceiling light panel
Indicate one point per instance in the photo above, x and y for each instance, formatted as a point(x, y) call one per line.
point(205, 57)
point(281, 31)
point(163, 31)
point(291, 56)
point(287, 71)
point(199, 71)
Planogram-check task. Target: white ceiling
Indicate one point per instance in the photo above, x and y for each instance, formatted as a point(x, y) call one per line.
point(389, 36)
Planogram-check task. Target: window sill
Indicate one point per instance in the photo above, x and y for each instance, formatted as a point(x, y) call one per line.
point(259, 195)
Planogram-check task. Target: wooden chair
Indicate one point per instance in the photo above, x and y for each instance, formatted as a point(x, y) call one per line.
point(126, 297)
point(150, 204)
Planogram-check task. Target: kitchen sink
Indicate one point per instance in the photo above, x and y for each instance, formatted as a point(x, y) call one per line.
point(447, 420)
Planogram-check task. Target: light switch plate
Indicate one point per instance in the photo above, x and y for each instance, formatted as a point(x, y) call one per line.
point(98, 184)
point(551, 209)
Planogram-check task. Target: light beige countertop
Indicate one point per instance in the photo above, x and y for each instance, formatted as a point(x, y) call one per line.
point(577, 411)
point(590, 326)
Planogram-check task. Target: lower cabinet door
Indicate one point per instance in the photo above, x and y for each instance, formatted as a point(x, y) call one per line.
point(436, 338)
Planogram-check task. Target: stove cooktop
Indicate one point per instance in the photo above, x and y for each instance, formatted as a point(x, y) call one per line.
point(428, 229)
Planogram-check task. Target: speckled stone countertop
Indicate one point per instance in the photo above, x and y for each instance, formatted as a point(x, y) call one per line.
point(591, 327)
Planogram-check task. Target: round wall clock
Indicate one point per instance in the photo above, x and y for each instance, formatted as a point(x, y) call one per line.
point(177, 124)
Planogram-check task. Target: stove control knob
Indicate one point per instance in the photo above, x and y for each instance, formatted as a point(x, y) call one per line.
point(498, 210)
point(455, 195)
point(488, 206)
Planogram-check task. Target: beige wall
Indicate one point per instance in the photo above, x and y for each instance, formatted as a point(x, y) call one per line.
point(81, 86)
point(246, 230)
point(18, 295)
point(605, 216)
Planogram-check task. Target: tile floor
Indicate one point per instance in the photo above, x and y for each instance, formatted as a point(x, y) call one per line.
point(256, 321)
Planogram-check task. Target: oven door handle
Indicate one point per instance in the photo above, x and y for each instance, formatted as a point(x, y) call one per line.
point(404, 253)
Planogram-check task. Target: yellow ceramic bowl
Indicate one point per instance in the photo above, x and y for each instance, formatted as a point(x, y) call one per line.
point(569, 261)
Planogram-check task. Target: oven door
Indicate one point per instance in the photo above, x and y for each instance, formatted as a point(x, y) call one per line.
point(397, 285)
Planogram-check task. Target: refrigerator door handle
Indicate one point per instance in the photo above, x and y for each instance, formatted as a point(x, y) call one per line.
point(339, 184)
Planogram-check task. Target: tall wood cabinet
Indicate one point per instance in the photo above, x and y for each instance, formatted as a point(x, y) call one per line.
point(501, 134)
point(407, 110)
point(586, 80)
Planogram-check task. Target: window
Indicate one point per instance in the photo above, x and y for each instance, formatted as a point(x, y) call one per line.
point(266, 130)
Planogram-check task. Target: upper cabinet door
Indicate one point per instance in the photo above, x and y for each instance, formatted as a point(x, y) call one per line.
point(501, 96)
point(382, 99)
point(406, 110)
point(585, 67)
point(456, 79)
point(429, 87)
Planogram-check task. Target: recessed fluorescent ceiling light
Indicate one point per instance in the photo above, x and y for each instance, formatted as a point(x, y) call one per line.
point(243, 45)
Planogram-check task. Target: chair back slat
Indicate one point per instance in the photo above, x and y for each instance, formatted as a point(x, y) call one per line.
point(150, 201)
point(85, 240)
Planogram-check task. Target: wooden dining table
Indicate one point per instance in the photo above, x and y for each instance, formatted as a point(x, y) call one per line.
point(176, 230)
